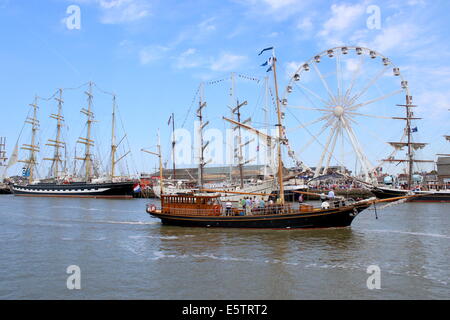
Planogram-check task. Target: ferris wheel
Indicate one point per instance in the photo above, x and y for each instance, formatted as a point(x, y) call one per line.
point(341, 103)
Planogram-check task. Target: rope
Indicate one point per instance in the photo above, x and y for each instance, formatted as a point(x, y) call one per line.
point(192, 104)
point(249, 78)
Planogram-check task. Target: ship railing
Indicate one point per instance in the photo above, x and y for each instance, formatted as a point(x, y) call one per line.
point(222, 211)
point(194, 212)
point(270, 209)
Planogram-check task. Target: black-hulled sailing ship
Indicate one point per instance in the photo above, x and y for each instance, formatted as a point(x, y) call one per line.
point(423, 193)
point(60, 184)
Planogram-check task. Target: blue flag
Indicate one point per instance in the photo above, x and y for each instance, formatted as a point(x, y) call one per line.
point(269, 63)
point(414, 129)
point(270, 48)
point(25, 172)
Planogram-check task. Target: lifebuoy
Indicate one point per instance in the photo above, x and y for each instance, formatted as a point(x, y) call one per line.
point(216, 209)
point(151, 208)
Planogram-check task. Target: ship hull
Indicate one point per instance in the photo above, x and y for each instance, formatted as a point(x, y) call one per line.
point(437, 196)
point(116, 190)
point(385, 193)
point(5, 191)
point(332, 218)
point(422, 196)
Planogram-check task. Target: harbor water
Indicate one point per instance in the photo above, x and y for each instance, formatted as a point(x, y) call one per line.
point(123, 253)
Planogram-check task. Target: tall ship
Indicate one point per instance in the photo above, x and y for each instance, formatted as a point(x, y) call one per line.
point(89, 184)
point(413, 185)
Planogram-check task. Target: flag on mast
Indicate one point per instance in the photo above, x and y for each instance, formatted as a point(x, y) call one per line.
point(270, 48)
point(269, 62)
point(168, 122)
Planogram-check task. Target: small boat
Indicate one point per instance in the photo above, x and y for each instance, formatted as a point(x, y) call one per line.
point(208, 211)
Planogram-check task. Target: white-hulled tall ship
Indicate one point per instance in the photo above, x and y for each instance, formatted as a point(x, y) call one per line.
point(61, 184)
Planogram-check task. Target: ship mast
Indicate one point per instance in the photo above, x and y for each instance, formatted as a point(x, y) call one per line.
point(114, 146)
point(161, 184)
point(57, 143)
point(87, 141)
point(2, 151)
point(32, 148)
point(268, 155)
point(237, 111)
point(113, 138)
point(203, 146)
point(173, 144)
point(159, 155)
point(408, 130)
point(280, 133)
point(411, 146)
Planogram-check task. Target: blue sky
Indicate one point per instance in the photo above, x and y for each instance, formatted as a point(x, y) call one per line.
point(154, 54)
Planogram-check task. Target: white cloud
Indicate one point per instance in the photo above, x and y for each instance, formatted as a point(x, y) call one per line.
point(343, 17)
point(305, 24)
point(276, 9)
point(188, 59)
point(120, 11)
point(399, 37)
point(150, 54)
point(207, 25)
point(277, 4)
point(433, 104)
point(227, 62)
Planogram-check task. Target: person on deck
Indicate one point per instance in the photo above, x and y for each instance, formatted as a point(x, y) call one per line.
point(243, 203)
point(228, 207)
point(323, 197)
point(248, 207)
point(261, 206)
point(331, 194)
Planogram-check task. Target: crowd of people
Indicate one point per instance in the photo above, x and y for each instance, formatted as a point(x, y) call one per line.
point(249, 205)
